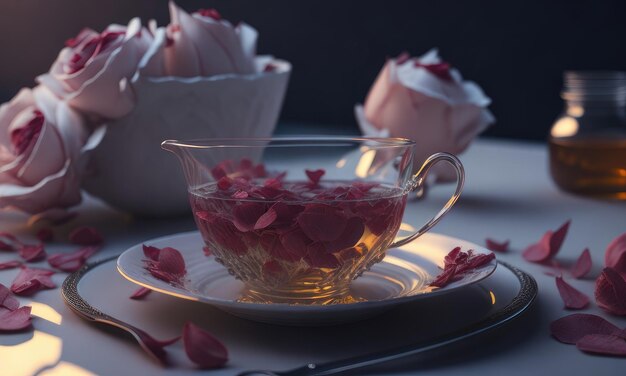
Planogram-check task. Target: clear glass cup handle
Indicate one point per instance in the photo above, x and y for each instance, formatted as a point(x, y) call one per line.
point(417, 181)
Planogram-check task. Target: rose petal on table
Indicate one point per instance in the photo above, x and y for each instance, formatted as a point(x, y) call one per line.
point(45, 234)
point(615, 254)
point(4, 246)
point(548, 246)
point(17, 319)
point(315, 175)
point(582, 265)
point(151, 252)
point(496, 246)
point(71, 262)
point(604, 344)
point(31, 280)
point(611, 292)
point(203, 348)
point(155, 346)
point(570, 329)
point(86, 235)
point(32, 252)
point(572, 298)
point(140, 293)
point(7, 300)
point(10, 264)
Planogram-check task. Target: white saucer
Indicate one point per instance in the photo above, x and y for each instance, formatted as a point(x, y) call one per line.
point(402, 276)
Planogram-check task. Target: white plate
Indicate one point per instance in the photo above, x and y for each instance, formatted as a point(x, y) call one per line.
point(402, 276)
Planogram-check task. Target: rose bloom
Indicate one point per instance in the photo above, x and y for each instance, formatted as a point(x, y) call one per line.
point(427, 101)
point(202, 44)
point(92, 72)
point(42, 141)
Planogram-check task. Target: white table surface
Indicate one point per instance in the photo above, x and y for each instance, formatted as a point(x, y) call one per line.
point(508, 195)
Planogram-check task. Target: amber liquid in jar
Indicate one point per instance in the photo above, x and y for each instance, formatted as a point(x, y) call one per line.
point(590, 166)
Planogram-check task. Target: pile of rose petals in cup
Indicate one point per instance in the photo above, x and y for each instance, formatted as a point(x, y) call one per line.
point(30, 280)
point(590, 333)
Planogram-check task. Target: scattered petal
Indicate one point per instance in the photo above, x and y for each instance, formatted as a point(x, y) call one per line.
point(169, 265)
point(45, 234)
point(4, 246)
point(615, 255)
point(202, 348)
point(582, 265)
point(572, 298)
point(86, 235)
point(497, 246)
point(10, 264)
point(17, 319)
point(7, 300)
point(155, 346)
point(151, 252)
point(548, 246)
point(604, 344)
point(315, 175)
point(570, 329)
point(611, 292)
point(141, 293)
point(71, 262)
point(32, 252)
point(31, 280)
point(457, 264)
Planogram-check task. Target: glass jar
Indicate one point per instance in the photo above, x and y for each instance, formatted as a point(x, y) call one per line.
point(588, 141)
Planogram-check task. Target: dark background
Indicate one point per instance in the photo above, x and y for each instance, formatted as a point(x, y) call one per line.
point(515, 50)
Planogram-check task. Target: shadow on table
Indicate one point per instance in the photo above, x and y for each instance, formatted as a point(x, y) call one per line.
point(508, 338)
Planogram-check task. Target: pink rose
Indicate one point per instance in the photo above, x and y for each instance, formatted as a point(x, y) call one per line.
point(201, 44)
point(41, 143)
point(92, 72)
point(425, 100)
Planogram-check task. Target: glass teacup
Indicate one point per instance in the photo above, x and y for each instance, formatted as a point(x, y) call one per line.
point(297, 219)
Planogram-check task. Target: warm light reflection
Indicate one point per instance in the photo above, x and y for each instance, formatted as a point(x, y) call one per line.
point(341, 163)
point(575, 110)
point(565, 127)
point(406, 227)
point(66, 369)
point(434, 257)
point(363, 167)
point(493, 297)
point(45, 312)
point(42, 350)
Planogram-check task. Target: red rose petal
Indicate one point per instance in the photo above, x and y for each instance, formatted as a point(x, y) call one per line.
point(171, 261)
point(155, 346)
point(85, 235)
point(240, 195)
point(295, 241)
point(548, 246)
point(273, 268)
point(140, 293)
point(5, 246)
point(350, 236)
point(615, 254)
point(572, 298)
point(71, 262)
point(266, 219)
point(7, 300)
point(10, 264)
point(202, 348)
point(45, 234)
point(246, 215)
point(8, 242)
point(32, 252)
point(570, 329)
point(17, 319)
point(611, 292)
point(582, 265)
point(321, 222)
point(207, 251)
point(605, 344)
point(315, 175)
point(31, 280)
point(224, 183)
point(318, 257)
point(458, 263)
point(151, 252)
point(496, 246)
